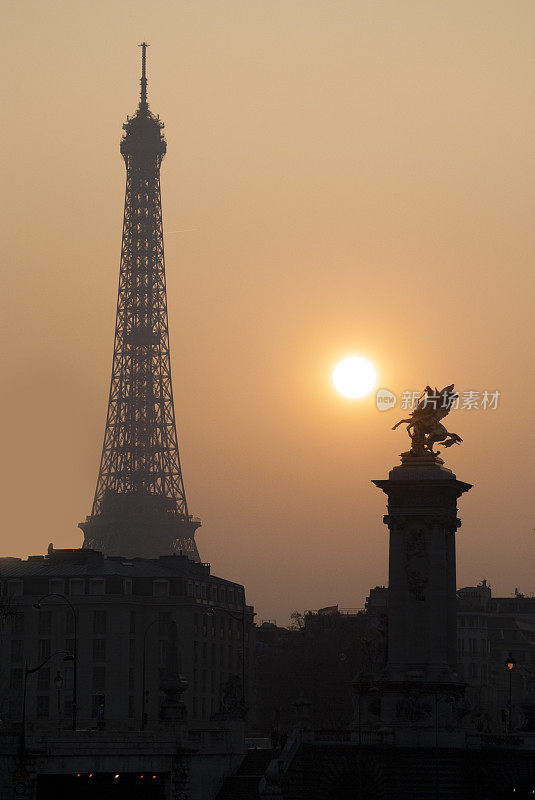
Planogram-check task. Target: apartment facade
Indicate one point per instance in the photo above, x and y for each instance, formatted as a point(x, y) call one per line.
point(123, 610)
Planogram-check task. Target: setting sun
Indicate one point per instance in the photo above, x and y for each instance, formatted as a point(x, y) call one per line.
point(354, 377)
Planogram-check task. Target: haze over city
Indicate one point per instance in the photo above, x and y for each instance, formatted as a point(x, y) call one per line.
point(341, 178)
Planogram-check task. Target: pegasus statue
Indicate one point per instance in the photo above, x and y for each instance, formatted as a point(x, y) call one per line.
point(424, 426)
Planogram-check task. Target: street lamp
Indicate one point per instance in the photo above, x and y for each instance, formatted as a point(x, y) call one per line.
point(211, 612)
point(143, 672)
point(58, 683)
point(29, 671)
point(510, 664)
point(74, 658)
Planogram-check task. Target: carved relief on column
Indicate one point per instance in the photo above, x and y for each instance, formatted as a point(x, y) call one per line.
point(416, 561)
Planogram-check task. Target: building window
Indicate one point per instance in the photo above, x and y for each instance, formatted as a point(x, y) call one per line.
point(43, 706)
point(127, 585)
point(197, 591)
point(163, 644)
point(195, 651)
point(99, 678)
point(44, 649)
point(196, 624)
point(132, 650)
point(203, 591)
point(69, 623)
point(77, 586)
point(164, 619)
point(43, 679)
point(160, 588)
point(45, 622)
point(14, 587)
point(99, 649)
point(97, 586)
point(56, 586)
point(131, 706)
point(132, 622)
point(17, 622)
point(99, 621)
point(204, 651)
point(189, 589)
point(69, 646)
point(98, 705)
point(131, 679)
point(213, 592)
point(15, 678)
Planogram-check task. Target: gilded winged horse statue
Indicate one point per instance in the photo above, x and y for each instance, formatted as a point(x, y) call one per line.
point(424, 426)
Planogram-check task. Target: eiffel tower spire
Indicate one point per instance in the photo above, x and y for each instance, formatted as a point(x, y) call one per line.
point(140, 507)
point(143, 105)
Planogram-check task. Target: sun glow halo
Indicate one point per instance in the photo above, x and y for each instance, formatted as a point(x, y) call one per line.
point(354, 377)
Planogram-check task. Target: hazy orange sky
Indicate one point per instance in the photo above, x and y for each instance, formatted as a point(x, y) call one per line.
point(342, 177)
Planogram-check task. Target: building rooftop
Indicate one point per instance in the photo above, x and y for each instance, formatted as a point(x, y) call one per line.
point(86, 562)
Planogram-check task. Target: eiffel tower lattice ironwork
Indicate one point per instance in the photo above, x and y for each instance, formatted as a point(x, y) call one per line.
point(140, 506)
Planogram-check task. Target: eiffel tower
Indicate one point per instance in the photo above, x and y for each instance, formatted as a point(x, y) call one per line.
point(140, 506)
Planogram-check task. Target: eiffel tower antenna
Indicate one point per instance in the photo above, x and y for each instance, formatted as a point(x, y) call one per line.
point(140, 507)
point(143, 99)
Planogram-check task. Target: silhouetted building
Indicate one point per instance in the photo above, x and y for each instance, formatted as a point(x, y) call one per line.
point(123, 609)
point(489, 630)
point(318, 658)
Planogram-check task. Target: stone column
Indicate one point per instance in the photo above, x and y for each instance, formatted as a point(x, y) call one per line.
point(422, 520)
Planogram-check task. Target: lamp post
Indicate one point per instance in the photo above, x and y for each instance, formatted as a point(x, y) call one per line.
point(241, 619)
point(58, 683)
point(29, 671)
point(75, 649)
point(143, 673)
point(510, 664)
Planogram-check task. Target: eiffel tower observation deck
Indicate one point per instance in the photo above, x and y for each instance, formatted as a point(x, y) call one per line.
point(140, 507)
